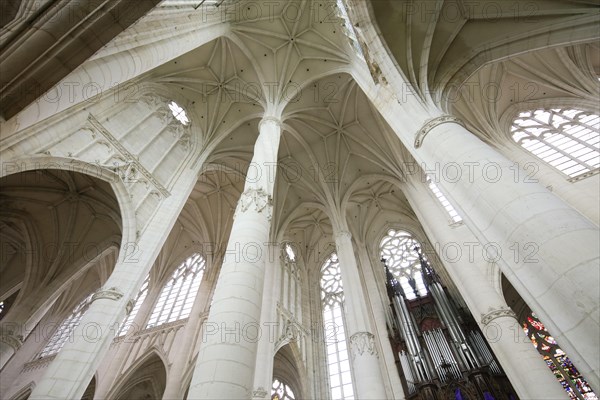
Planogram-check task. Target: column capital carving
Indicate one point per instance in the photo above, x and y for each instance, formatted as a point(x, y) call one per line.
point(129, 306)
point(259, 393)
point(494, 313)
point(112, 293)
point(274, 120)
point(257, 199)
point(14, 341)
point(432, 123)
point(361, 343)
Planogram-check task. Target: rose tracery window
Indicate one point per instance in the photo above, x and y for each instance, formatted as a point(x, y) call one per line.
point(567, 139)
point(398, 250)
point(178, 295)
point(332, 298)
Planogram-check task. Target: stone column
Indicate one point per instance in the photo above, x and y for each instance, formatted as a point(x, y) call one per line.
point(263, 376)
point(524, 366)
point(549, 251)
point(363, 349)
point(501, 206)
point(378, 302)
point(581, 195)
point(70, 372)
point(9, 344)
point(227, 357)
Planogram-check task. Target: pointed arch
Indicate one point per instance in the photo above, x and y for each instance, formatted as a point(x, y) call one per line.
point(146, 378)
point(288, 369)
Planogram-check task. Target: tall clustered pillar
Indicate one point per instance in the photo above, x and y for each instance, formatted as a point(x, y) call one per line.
point(226, 361)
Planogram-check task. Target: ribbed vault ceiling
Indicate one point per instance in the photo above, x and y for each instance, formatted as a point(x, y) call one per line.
point(438, 44)
point(54, 225)
point(289, 62)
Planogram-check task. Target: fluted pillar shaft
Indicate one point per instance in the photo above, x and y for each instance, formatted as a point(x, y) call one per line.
point(461, 254)
point(364, 352)
point(227, 357)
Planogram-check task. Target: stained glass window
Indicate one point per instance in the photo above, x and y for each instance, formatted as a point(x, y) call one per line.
point(567, 139)
point(178, 295)
point(139, 299)
point(398, 248)
point(443, 201)
point(65, 330)
point(563, 369)
point(281, 391)
point(332, 297)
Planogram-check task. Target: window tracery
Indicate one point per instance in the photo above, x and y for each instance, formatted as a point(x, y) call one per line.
point(66, 328)
point(178, 295)
point(398, 248)
point(141, 296)
point(567, 139)
point(291, 282)
point(179, 113)
point(281, 391)
point(332, 298)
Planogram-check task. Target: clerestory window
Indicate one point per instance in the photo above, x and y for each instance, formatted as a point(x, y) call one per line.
point(65, 330)
point(139, 299)
point(567, 139)
point(178, 295)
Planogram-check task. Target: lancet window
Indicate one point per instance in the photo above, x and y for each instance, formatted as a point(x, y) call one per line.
point(178, 295)
point(66, 328)
point(332, 298)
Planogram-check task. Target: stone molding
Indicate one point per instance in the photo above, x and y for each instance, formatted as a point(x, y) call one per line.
point(111, 294)
point(14, 341)
point(361, 343)
point(131, 168)
point(494, 313)
point(258, 197)
point(432, 123)
point(37, 364)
